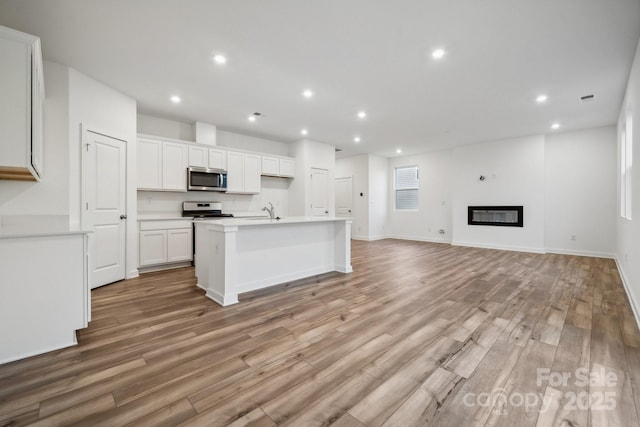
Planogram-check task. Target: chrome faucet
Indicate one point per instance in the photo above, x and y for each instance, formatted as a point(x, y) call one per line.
point(272, 211)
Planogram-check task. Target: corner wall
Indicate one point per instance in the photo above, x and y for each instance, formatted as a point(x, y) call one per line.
point(514, 176)
point(93, 105)
point(580, 192)
point(628, 231)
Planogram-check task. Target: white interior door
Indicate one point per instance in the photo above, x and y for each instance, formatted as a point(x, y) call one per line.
point(104, 205)
point(344, 196)
point(319, 192)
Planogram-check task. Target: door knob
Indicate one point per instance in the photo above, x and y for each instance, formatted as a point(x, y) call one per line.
point(326, 212)
point(349, 210)
point(123, 217)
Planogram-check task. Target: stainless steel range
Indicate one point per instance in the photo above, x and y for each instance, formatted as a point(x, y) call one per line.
point(200, 211)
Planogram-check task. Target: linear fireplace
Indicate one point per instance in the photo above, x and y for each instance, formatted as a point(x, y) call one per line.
point(501, 216)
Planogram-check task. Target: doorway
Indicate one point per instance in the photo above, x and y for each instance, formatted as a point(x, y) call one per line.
point(344, 196)
point(103, 209)
point(319, 192)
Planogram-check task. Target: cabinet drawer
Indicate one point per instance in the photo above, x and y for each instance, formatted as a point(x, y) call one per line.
point(169, 224)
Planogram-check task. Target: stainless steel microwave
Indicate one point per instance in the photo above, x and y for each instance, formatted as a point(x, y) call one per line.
point(204, 179)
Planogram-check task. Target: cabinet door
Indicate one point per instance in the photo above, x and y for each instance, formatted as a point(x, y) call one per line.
point(235, 172)
point(149, 164)
point(270, 166)
point(153, 247)
point(174, 166)
point(37, 125)
point(198, 157)
point(252, 173)
point(287, 168)
point(179, 245)
point(217, 159)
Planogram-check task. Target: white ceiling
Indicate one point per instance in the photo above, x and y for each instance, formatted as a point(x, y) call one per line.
point(371, 55)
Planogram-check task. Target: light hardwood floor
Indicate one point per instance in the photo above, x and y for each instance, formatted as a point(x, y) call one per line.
point(419, 334)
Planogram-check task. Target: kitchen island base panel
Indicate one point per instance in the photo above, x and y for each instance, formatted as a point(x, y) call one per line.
point(236, 259)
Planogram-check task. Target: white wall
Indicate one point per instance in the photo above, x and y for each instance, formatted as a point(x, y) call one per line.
point(378, 195)
point(628, 231)
point(164, 127)
point(580, 192)
point(274, 190)
point(357, 167)
point(514, 171)
point(251, 143)
point(434, 198)
point(93, 105)
point(50, 196)
point(310, 154)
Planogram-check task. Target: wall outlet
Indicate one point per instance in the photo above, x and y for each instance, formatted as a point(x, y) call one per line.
point(573, 237)
point(429, 230)
point(441, 231)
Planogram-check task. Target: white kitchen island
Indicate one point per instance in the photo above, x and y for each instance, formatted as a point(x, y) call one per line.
point(233, 256)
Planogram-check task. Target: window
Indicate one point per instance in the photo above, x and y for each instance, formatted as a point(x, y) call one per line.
point(406, 188)
point(626, 166)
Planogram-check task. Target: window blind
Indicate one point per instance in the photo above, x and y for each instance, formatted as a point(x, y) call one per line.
point(406, 185)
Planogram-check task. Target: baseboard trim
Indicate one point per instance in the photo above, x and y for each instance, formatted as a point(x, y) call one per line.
point(499, 247)
point(580, 253)
point(627, 288)
point(368, 239)
point(417, 239)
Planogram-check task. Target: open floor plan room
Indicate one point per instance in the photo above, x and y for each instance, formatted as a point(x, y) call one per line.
point(419, 333)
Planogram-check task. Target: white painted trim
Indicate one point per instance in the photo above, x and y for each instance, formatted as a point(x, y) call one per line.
point(221, 299)
point(501, 248)
point(161, 267)
point(73, 342)
point(133, 274)
point(368, 239)
point(344, 269)
point(627, 288)
point(580, 253)
point(417, 239)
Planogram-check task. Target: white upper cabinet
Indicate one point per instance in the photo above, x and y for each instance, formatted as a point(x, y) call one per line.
point(217, 159)
point(251, 173)
point(278, 166)
point(243, 173)
point(270, 166)
point(162, 165)
point(21, 102)
point(149, 164)
point(174, 166)
point(287, 167)
point(198, 156)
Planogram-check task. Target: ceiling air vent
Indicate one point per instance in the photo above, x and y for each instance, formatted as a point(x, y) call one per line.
point(586, 98)
point(338, 149)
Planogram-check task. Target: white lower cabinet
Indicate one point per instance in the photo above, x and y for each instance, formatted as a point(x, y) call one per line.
point(165, 242)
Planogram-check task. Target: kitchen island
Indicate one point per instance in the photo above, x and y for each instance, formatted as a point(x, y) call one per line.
point(233, 256)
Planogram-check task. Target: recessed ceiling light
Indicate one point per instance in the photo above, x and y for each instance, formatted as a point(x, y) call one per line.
point(399, 151)
point(220, 59)
point(438, 53)
point(555, 126)
point(356, 139)
point(307, 93)
point(362, 114)
point(175, 99)
point(252, 118)
point(304, 131)
point(541, 98)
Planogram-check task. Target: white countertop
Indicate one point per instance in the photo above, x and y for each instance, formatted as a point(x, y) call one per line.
point(242, 222)
point(162, 217)
point(44, 227)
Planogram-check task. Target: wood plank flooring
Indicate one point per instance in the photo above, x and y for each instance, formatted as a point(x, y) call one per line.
point(419, 334)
